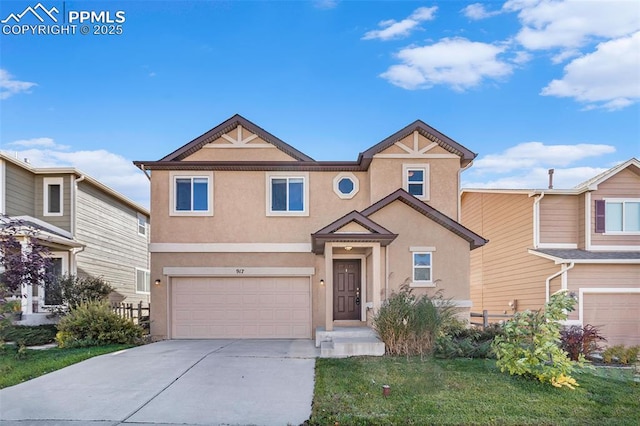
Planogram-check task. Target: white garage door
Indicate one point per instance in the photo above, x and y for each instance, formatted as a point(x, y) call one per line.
point(241, 307)
point(617, 315)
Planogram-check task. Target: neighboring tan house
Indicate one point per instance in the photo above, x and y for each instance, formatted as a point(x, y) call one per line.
point(252, 238)
point(90, 229)
point(585, 239)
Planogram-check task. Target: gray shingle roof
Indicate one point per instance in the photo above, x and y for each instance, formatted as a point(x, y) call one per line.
point(577, 254)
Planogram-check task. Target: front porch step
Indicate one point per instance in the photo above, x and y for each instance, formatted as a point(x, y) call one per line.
point(345, 347)
point(344, 342)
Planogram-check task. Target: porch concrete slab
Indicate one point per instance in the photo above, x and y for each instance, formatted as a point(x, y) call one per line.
point(173, 382)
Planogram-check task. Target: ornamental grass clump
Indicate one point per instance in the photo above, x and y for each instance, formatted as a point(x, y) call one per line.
point(530, 344)
point(409, 324)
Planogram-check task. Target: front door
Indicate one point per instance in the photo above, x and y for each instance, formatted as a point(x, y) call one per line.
point(346, 289)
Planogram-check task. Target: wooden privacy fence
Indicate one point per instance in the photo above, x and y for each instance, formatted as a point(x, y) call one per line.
point(485, 315)
point(136, 312)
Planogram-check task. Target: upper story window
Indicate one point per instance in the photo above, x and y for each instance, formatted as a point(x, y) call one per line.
point(53, 196)
point(192, 195)
point(416, 180)
point(287, 195)
point(346, 185)
point(620, 215)
point(142, 224)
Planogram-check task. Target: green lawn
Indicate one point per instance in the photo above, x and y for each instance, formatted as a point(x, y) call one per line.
point(16, 369)
point(463, 392)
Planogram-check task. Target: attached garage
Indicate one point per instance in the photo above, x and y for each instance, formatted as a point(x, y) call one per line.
point(240, 307)
point(616, 314)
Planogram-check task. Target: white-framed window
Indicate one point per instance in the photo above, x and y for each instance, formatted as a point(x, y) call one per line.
point(346, 185)
point(191, 194)
point(53, 196)
point(49, 294)
point(142, 225)
point(622, 216)
point(143, 281)
point(416, 180)
point(287, 194)
point(422, 266)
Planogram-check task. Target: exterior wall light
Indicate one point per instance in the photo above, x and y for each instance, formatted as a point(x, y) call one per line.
point(322, 282)
point(157, 282)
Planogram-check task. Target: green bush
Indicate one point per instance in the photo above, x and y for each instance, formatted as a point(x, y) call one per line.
point(94, 324)
point(72, 290)
point(409, 324)
point(530, 345)
point(621, 354)
point(465, 342)
point(29, 335)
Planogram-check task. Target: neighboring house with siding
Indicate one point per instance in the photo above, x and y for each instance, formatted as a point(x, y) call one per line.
point(254, 239)
point(585, 239)
point(90, 229)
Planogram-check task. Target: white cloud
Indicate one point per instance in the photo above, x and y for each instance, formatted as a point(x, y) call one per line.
point(392, 29)
point(609, 76)
point(551, 24)
point(477, 11)
point(29, 143)
point(530, 155)
point(9, 86)
point(110, 169)
point(455, 62)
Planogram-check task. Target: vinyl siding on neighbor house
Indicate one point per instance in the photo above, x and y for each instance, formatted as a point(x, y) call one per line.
point(503, 270)
point(64, 221)
point(114, 248)
point(558, 223)
point(19, 191)
point(624, 184)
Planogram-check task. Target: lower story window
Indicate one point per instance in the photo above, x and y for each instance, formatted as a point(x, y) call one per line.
point(421, 267)
point(142, 281)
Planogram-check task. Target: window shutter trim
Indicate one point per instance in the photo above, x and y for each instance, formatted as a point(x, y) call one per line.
point(600, 216)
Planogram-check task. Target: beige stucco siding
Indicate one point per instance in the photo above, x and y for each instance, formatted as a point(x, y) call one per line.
point(450, 258)
point(114, 249)
point(503, 270)
point(558, 224)
point(625, 185)
point(387, 173)
point(19, 191)
point(240, 210)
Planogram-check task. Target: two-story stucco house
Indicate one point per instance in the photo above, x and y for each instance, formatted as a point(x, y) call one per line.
point(585, 239)
point(90, 229)
point(252, 238)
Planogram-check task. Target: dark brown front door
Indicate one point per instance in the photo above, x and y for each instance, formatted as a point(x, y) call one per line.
point(346, 289)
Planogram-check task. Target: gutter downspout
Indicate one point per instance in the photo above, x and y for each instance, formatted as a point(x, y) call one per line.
point(564, 269)
point(386, 272)
point(536, 223)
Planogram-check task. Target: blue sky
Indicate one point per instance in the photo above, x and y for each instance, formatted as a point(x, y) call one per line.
point(527, 84)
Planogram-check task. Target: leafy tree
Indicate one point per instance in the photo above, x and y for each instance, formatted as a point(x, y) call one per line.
point(23, 266)
point(72, 290)
point(530, 344)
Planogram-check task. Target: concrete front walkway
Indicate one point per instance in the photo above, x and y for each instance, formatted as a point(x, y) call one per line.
point(186, 382)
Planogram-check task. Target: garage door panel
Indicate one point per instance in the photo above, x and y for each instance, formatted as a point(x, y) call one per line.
point(242, 307)
point(616, 315)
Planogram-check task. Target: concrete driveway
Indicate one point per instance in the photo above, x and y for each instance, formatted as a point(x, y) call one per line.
point(186, 382)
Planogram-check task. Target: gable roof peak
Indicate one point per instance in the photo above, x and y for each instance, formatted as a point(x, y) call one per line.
point(227, 126)
point(466, 156)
